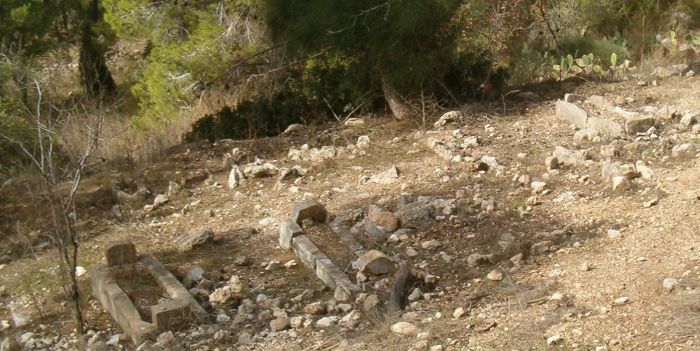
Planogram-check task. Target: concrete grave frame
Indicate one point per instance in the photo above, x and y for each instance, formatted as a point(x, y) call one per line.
point(292, 237)
point(178, 312)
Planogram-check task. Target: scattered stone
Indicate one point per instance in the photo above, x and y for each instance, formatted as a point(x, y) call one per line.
point(316, 308)
point(387, 177)
point(554, 339)
point(621, 301)
point(384, 219)
point(682, 150)
point(495, 275)
point(196, 238)
point(160, 200)
point(280, 323)
point(620, 183)
point(430, 244)
point(669, 284)
point(476, 259)
point(458, 313)
point(415, 295)
point(235, 177)
point(650, 203)
point(375, 262)
point(404, 328)
point(639, 124)
point(371, 302)
point(689, 119)
point(235, 289)
point(327, 322)
point(574, 98)
point(470, 141)
point(613, 234)
point(571, 113)
point(354, 122)
point(311, 209)
point(257, 170)
point(585, 267)
point(415, 214)
point(294, 128)
point(551, 163)
point(537, 186)
point(568, 157)
point(449, 117)
point(363, 142)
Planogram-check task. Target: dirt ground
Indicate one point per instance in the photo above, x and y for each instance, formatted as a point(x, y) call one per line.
point(590, 290)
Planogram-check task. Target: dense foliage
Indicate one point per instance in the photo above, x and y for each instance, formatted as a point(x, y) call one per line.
point(275, 62)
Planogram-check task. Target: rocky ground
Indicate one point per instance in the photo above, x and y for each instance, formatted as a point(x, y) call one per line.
point(557, 225)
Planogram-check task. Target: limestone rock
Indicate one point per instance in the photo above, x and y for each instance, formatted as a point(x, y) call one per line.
point(354, 122)
point(315, 308)
point(387, 177)
point(571, 113)
point(639, 124)
point(235, 289)
point(682, 150)
point(326, 322)
point(404, 328)
point(476, 259)
point(449, 117)
point(669, 284)
point(495, 275)
point(257, 170)
point(196, 238)
point(235, 177)
point(385, 219)
point(375, 262)
point(570, 157)
point(363, 142)
point(280, 323)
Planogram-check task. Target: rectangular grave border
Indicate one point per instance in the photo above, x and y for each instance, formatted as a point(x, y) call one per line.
point(292, 237)
point(179, 312)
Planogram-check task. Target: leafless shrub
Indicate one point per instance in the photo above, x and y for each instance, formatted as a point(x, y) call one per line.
point(59, 183)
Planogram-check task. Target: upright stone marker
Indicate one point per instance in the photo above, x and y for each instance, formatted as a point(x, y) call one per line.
point(120, 253)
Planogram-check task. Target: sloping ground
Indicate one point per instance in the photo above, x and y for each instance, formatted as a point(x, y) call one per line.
point(573, 285)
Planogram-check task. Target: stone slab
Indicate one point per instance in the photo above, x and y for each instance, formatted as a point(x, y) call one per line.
point(571, 113)
point(288, 230)
point(120, 253)
point(171, 315)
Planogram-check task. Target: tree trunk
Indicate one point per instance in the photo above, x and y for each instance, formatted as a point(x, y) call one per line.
point(396, 103)
point(94, 73)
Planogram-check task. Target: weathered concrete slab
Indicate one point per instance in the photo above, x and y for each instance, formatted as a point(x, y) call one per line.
point(571, 113)
point(120, 307)
point(173, 287)
point(306, 250)
point(171, 315)
point(288, 230)
point(120, 253)
point(312, 257)
point(311, 209)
